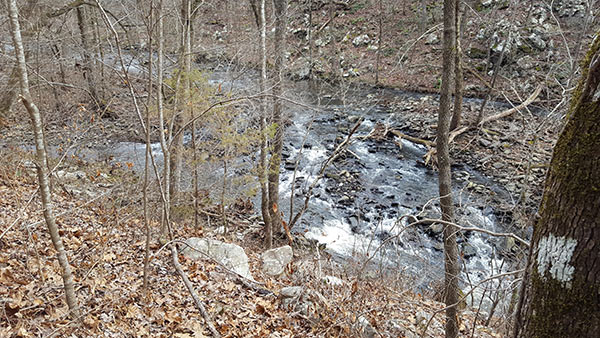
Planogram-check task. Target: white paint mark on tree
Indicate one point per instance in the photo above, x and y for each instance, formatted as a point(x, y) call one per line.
point(554, 256)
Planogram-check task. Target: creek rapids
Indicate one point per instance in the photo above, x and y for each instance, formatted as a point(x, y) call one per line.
point(357, 205)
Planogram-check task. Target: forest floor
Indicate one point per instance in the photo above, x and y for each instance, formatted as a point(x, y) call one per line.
point(104, 234)
point(99, 207)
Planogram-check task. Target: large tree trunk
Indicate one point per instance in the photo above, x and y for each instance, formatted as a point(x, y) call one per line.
point(275, 162)
point(445, 179)
point(561, 289)
point(42, 166)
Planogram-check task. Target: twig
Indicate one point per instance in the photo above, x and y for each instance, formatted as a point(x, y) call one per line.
point(467, 294)
point(190, 287)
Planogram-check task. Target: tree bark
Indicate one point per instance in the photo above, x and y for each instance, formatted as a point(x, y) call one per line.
point(10, 94)
point(275, 161)
point(88, 69)
point(42, 166)
point(560, 294)
point(260, 18)
point(445, 179)
point(458, 69)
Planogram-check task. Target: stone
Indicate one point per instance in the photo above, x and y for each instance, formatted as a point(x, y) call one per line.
point(537, 41)
point(366, 329)
point(432, 39)
point(291, 291)
point(333, 281)
point(275, 260)
point(230, 255)
point(361, 40)
point(526, 62)
point(469, 251)
point(436, 228)
point(485, 142)
point(71, 176)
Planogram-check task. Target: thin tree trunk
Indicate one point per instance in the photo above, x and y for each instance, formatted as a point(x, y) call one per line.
point(42, 166)
point(161, 121)
point(275, 163)
point(445, 179)
point(262, 166)
point(310, 43)
point(458, 69)
point(88, 69)
point(147, 227)
point(178, 123)
point(380, 35)
point(10, 94)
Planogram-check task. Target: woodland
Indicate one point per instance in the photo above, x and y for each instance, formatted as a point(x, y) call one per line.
point(299, 168)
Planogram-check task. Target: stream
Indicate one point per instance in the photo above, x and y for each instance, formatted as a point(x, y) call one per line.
point(357, 205)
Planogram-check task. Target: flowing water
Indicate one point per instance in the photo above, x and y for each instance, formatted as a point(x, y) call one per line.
point(357, 205)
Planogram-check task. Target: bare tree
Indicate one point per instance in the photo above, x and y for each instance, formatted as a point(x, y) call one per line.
point(41, 158)
point(445, 178)
point(458, 69)
point(275, 160)
point(559, 296)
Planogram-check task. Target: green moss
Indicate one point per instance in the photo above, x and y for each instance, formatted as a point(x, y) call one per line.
point(477, 53)
point(561, 312)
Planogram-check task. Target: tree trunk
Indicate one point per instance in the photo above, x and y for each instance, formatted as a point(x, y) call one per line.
point(560, 296)
point(88, 69)
point(275, 162)
point(10, 94)
point(42, 166)
point(445, 179)
point(262, 166)
point(458, 70)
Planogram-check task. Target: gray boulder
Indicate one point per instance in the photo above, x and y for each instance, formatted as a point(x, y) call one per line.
point(230, 255)
point(275, 260)
point(361, 40)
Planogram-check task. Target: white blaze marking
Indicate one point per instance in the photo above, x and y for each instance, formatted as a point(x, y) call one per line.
point(554, 255)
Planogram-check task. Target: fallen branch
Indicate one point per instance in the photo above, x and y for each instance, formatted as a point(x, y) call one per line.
point(412, 138)
point(510, 111)
point(190, 287)
point(430, 154)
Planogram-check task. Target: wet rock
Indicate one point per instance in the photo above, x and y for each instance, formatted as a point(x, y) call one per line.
point(230, 255)
point(436, 228)
point(469, 251)
point(275, 260)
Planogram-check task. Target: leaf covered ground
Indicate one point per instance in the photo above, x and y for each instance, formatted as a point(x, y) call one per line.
point(103, 231)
